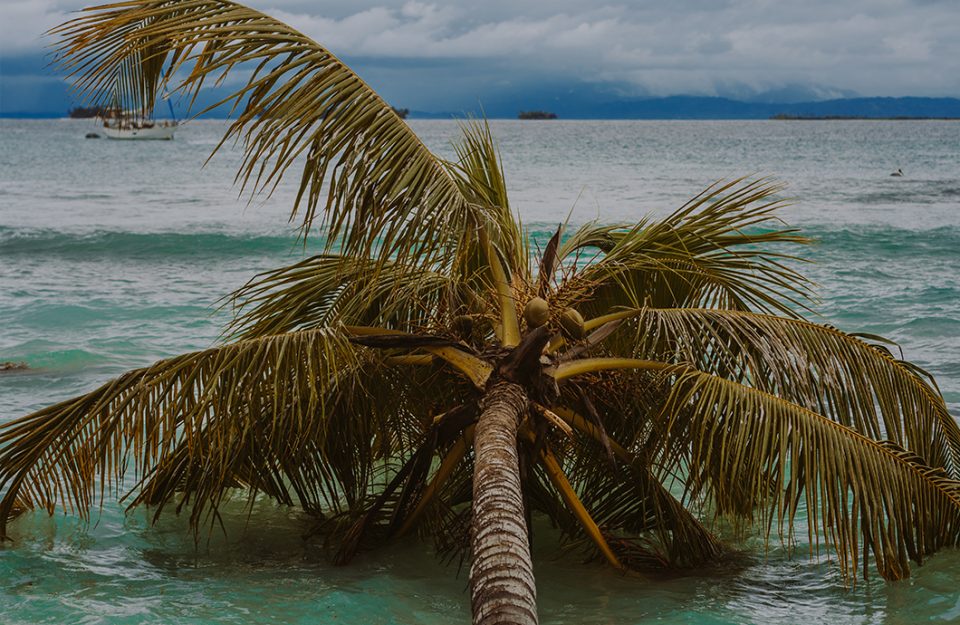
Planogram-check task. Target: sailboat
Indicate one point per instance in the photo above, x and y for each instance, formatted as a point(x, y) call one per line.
point(139, 129)
point(138, 86)
point(125, 125)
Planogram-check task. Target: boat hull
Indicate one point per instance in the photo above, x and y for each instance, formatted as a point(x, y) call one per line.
point(160, 133)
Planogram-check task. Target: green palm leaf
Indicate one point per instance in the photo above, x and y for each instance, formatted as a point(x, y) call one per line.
point(819, 367)
point(708, 253)
point(277, 414)
point(479, 172)
point(384, 190)
point(328, 289)
point(751, 452)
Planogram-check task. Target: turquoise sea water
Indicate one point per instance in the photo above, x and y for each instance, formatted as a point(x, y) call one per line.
point(113, 255)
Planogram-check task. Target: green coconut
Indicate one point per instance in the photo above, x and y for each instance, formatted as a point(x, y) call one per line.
point(536, 312)
point(571, 322)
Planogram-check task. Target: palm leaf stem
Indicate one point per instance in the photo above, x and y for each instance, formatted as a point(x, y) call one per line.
point(562, 484)
point(596, 365)
point(475, 369)
point(580, 423)
point(444, 471)
point(509, 322)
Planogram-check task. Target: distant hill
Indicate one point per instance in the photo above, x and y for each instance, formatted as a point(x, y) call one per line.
point(876, 107)
point(696, 107)
point(692, 107)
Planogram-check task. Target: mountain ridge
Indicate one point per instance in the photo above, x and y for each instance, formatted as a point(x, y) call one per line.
point(718, 108)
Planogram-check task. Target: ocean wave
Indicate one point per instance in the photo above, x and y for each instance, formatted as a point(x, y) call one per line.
point(888, 240)
point(145, 244)
point(894, 197)
point(881, 238)
point(904, 192)
point(935, 326)
point(936, 293)
point(81, 196)
point(41, 356)
point(14, 241)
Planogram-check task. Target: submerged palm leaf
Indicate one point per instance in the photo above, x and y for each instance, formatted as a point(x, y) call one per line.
point(411, 376)
point(196, 424)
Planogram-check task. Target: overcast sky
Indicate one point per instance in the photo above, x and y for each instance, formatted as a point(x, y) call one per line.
point(454, 52)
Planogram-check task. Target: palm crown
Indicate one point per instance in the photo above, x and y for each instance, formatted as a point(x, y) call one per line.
point(362, 383)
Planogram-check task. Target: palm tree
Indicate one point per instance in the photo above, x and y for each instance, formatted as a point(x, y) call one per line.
point(427, 373)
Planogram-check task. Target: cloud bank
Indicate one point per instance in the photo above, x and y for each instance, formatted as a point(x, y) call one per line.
point(873, 47)
point(451, 53)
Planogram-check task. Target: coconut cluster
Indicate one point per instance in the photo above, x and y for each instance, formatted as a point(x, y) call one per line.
point(537, 313)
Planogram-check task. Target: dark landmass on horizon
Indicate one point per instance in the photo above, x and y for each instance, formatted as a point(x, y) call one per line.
point(536, 115)
point(87, 112)
point(684, 107)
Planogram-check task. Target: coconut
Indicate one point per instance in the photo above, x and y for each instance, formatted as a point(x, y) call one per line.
point(462, 327)
point(571, 322)
point(536, 312)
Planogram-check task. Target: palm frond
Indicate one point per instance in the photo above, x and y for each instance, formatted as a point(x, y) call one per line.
point(396, 506)
point(819, 367)
point(704, 254)
point(330, 288)
point(561, 484)
point(751, 452)
point(386, 192)
point(137, 81)
point(479, 173)
point(300, 416)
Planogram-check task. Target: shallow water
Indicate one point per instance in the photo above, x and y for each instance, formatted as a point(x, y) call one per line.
point(114, 254)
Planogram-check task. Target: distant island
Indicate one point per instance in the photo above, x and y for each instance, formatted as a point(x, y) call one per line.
point(401, 113)
point(591, 105)
point(695, 107)
point(536, 115)
point(86, 112)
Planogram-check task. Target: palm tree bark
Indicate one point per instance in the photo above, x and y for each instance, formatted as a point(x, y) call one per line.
point(501, 574)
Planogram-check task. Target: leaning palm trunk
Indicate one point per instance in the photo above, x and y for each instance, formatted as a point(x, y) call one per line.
point(501, 574)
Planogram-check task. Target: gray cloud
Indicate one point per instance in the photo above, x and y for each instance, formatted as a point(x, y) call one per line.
point(709, 47)
point(874, 47)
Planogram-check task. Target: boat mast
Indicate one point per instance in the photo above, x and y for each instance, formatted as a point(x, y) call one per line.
point(173, 115)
